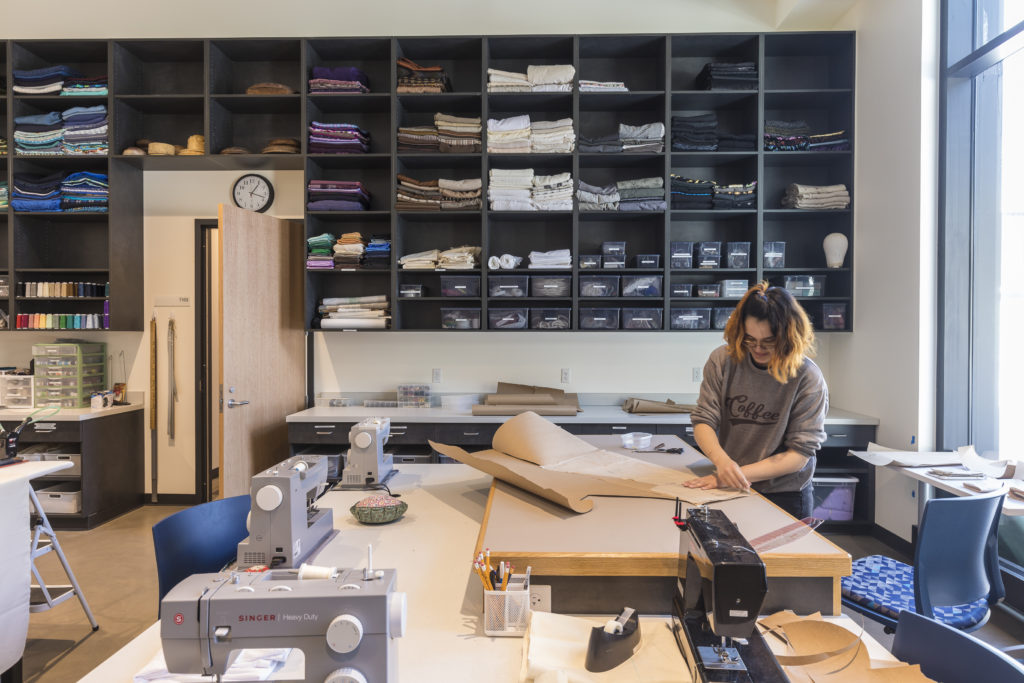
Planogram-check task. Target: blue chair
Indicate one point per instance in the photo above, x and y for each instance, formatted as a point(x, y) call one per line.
point(955, 578)
point(951, 656)
point(202, 538)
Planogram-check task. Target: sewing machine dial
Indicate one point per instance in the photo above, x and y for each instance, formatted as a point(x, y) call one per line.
point(346, 675)
point(345, 633)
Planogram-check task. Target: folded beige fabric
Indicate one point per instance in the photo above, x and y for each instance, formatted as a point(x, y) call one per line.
point(268, 88)
point(161, 149)
point(134, 151)
point(196, 143)
point(235, 150)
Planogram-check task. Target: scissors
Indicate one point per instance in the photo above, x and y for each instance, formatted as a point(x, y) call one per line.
point(660, 448)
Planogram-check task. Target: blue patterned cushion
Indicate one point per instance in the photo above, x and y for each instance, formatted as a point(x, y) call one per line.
point(886, 586)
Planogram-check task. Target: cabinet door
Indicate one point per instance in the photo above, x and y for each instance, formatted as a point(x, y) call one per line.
point(411, 433)
point(616, 428)
point(318, 432)
point(848, 436)
point(468, 434)
point(51, 431)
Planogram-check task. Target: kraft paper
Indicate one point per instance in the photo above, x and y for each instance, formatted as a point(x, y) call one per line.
point(644, 406)
point(519, 399)
point(553, 410)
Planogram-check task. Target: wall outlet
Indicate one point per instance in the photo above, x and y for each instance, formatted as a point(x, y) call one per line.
point(565, 375)
point(540, 598)
point(698, 374)
point(435, 375)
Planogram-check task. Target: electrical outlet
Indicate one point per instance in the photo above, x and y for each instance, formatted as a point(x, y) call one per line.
point(698, 374)
point(435, 375)
point(540, 598)
point(565, 375)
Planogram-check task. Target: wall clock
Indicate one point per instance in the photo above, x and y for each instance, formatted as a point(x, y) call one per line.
point(253, 192)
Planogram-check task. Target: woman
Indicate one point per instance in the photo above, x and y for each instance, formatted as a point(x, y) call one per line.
point(761, 413)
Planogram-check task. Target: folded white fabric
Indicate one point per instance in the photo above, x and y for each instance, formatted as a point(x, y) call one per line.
point(541, 180)
point(466, 185)
point(521, 122)
point(550, 73)
point(553, 87)
point(251, 665)
point(508, 261)
point(494, 263)
point(512, 205)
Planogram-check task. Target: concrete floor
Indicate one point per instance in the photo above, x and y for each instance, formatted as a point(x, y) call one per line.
point(115, 566)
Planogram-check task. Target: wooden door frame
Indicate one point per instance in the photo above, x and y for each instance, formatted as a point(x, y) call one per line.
point(205, 395)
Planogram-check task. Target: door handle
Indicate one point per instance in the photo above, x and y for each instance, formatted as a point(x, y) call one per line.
point(232, 403)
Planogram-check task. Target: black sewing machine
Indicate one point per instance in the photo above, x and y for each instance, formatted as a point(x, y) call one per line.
point(10, 442)
point(715, 611)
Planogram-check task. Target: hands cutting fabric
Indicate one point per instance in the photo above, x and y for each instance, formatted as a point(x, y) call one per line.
point(729, 475)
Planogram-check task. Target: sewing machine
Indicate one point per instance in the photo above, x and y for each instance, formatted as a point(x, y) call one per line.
point(367, 465)
point(345, 625)
point(285, 525)
point(716, 610)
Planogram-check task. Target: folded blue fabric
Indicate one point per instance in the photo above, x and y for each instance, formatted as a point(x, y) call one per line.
point(45, 119)
point(43, 72)
point(74, 111)
point(35, 204)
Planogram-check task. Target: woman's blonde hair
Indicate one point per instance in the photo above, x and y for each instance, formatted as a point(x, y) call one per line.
point(794, 338)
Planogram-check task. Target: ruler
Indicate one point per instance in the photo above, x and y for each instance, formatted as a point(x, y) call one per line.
point(783, 535)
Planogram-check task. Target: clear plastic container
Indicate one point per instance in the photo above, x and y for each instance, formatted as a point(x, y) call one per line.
point(805, 285)
point(681, 254)
point(507, 318)
point(681, 289)
point(613, 248)
point(709, 291)
point(738, 254)
point(599, 285)
point(551, 285)
point(721, 317)
point(410, 291)
point(641, 285)
point(599, 318)
point(66, 361)
point(734, 288)
point(833, 316)
point(5, 287)
point(774, 254)
point(460, 318)
point(414, 395)
point(612, 261)
point(648, 260)
point(690, 319)
point(590, 261)
point(636, 440)
point(641, 318)
point(550, 318)
point(77, 350)
point(508, 285)
point(709, 255)
point(460, 285)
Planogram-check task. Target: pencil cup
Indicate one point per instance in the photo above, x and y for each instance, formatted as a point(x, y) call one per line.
point(506, 613)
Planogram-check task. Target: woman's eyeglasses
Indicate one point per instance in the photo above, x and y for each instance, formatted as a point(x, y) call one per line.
point(766, 344)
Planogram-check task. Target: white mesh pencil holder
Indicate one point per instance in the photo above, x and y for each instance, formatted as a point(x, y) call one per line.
point(506, 613)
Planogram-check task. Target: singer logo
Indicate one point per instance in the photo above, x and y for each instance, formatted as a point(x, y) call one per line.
point(257, 617)
point(179, 618)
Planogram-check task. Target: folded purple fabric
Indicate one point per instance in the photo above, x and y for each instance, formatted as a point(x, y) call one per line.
point(335, 205)
point(341, 73)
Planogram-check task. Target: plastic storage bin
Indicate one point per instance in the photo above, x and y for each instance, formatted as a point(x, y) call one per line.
point(550, 318)
point(460, 318)
point(551, 285)
point(774, 254)
point(599, 285)
point(507, 318)
point(734, 288)
point(648, 260)
point(833, 497)
point(460, 285)
point(680, 289)
point(709, 255)
point(410, 291)
point(508, 285)
point(641, 318)
point(641, 285)
point(720, 317)
point(833, 316)
point(5, 287)
point(599, 318)
point(709, 291)
point(590, 261)
point(690, 319)
point(613, 261)
point(414, 395)
point(17, 391)
point(613, 248)
point(64, 498)
point(737, 254)
point(681, 254)
point(805, 285)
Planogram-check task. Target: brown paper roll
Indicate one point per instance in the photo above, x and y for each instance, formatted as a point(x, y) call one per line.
point(519, 399)
point(516, 409)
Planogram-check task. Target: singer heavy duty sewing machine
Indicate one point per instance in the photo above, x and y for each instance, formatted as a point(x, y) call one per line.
point(367, 465)
point(716, 610)
point(285, 525)
point(344, 625)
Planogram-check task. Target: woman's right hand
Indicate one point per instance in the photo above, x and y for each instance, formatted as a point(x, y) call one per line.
point(730, 475)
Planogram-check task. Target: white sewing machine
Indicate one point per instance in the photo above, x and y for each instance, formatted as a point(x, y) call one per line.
point(367, 465)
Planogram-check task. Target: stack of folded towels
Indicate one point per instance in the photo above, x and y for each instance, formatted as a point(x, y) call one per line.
point(337, 138)
point(80, 85)
point(320, 254)
point(39, 134)
point(552, 137)
point(338, 79)
point(728, 76)
point(602, 86)
point(435, 195)
point(691, 193)
point(417, 139)
point(85, 130)
point(84, 191)
point(736, 142)
point(31, 192)
point(349, 250)
point(785, 136)
point(337, 195)
point(378, 252)
point(538, 78)
point(558, 258)
point(3, 194)
point(460, 195)
point(647, 137)
point(641, 194)
point(816, 197)
point(356, 312)
point(597, 198)
point(459, 258)
point(457, 134)
point(552, 192)
point(507, 81)
point(737, 196)
point(45, 81)
point(602, 143)
point(510, 189)
point(504, 262)
point(695, 133)
point(413, 78)
point(509, 136)
point(421, 260)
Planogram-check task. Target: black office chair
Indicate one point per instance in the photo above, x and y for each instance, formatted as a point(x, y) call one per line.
point(951, 656)
point(955, 578)
point(202, 538)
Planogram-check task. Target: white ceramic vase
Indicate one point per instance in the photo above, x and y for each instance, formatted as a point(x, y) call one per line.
point(835, 245)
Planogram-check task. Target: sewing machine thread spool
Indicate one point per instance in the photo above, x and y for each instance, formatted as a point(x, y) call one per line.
point(310, 571)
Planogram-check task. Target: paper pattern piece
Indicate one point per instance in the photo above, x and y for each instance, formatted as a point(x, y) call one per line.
point(997, 469)
point(882, 456)
point(544, 459)
point(515, 399)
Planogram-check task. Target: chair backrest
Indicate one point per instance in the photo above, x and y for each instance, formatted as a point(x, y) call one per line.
point(949, 655)
point(957, 559)
point(202, 538)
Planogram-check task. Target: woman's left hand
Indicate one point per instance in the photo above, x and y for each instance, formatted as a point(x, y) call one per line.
point(708, 482)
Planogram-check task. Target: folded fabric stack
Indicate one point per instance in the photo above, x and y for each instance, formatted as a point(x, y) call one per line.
point(80, 85)
point(280, 146)
point(691, 193)
point(85, 130)
point(337, 195)
point(509, 136)
point(338, 79)
point(459, 258)
point(39, 134)
point(647, 137)
point(413, 78)
point(457, 134)
point(504, 262)
point(421, 260)
point(726, 76)
point(785, 136)
point(320, 254)
point(3, 194)
point(84, 191)
point(417, 139)
point(603, 86)
point(417, 195)
point(378, 252)
point(551, 77)
point(559, 258)
point(3, 146)
point(738, 196)
point(695, 133)
point(641, 194)
point(356, 312)
point(603, 143)
point(337, 138)
point(460, 195)
point(510, 189)
point(507, 81)
point(552, 137)
point(828, 142)
point(736, 142)
point(31, 192)
point(816, 197)
point(552, 192)
point(594, 198)
point(45, 81)
point(349, 250)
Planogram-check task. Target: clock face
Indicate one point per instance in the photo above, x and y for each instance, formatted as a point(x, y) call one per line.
point(253, 192)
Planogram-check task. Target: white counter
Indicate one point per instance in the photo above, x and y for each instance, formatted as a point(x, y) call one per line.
point(66, 414)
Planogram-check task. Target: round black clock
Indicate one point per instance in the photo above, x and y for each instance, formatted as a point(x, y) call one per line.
point(253, 192)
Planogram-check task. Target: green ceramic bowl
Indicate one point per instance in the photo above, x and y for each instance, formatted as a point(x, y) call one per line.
point(378, 509)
